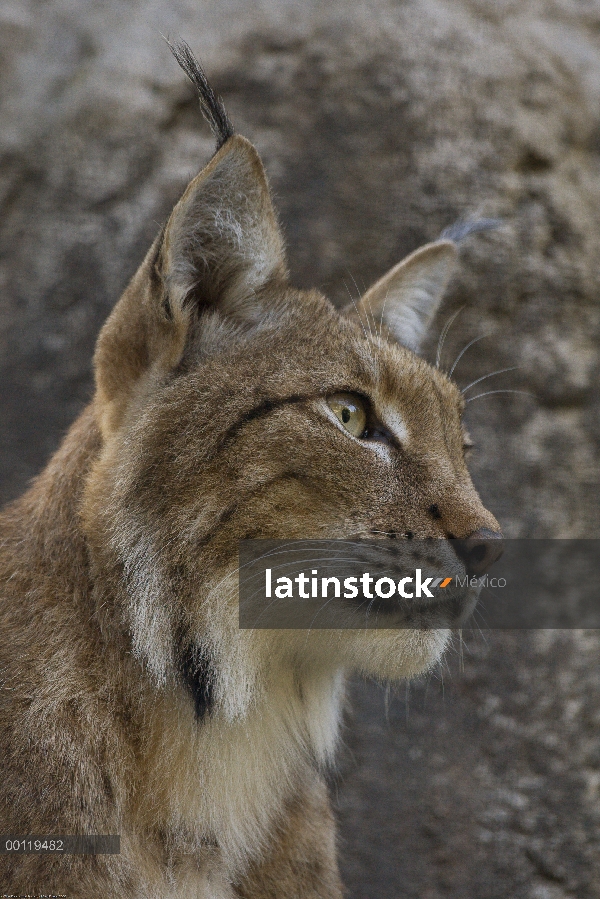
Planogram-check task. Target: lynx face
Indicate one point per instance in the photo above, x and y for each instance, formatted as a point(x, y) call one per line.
point(234, 406)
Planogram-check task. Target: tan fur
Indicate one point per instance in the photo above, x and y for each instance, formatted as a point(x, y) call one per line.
point(210, 424)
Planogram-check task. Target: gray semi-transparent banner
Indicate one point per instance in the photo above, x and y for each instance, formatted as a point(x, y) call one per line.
point(310, 584)
point(70, 844)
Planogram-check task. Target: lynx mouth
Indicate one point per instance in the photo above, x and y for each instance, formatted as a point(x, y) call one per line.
point(448, 602)
point(353, 584)
point(451, 610)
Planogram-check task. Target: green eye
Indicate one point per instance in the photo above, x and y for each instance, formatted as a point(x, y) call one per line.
point(351, 411)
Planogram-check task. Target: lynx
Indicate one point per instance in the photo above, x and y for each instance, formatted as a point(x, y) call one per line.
point(227, 405)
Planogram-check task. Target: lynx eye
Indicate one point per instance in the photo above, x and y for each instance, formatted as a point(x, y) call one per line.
point(351, 412)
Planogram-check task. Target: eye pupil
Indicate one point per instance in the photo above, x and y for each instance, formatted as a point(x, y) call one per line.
point(350, 411)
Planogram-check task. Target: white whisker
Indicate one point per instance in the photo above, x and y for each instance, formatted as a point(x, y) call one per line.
point(491, 392)
point(374, 359)
point(443, 335)
point(462, 352)
point(500, 371)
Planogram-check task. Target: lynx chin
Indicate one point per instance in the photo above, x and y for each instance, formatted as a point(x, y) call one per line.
point(228, 405)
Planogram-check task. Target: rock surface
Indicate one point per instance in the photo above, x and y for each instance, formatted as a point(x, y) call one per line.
point(380, 123)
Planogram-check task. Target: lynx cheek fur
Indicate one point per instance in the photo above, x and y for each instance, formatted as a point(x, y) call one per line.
point(132, 703)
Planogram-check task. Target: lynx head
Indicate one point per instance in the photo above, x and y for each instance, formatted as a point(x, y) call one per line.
point(232, 405)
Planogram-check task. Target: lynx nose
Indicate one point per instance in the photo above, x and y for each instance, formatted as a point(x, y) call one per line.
point(479, 550)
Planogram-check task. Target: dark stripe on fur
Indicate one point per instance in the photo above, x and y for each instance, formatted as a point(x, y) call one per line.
point(211, 106)
point(260, 411)
point(197, 672)
point(227, 514)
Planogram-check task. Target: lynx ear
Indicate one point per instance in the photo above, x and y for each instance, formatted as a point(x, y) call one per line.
point(406, 299)
point(222, 242)
point(219, 247)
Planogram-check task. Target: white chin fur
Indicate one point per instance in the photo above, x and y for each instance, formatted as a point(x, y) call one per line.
point(393, 655)
point(383, 654)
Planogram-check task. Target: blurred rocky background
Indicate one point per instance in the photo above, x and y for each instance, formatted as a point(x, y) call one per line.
point(380, 123)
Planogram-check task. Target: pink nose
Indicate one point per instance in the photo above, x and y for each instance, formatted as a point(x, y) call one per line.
point(479, 550)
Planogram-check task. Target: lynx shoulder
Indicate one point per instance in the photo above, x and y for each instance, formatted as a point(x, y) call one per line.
point(228, 404)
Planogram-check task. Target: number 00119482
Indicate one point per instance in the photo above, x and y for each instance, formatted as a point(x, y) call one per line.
point(31, 845)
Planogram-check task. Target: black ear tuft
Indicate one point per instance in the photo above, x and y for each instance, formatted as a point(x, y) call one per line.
point(211, 106)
